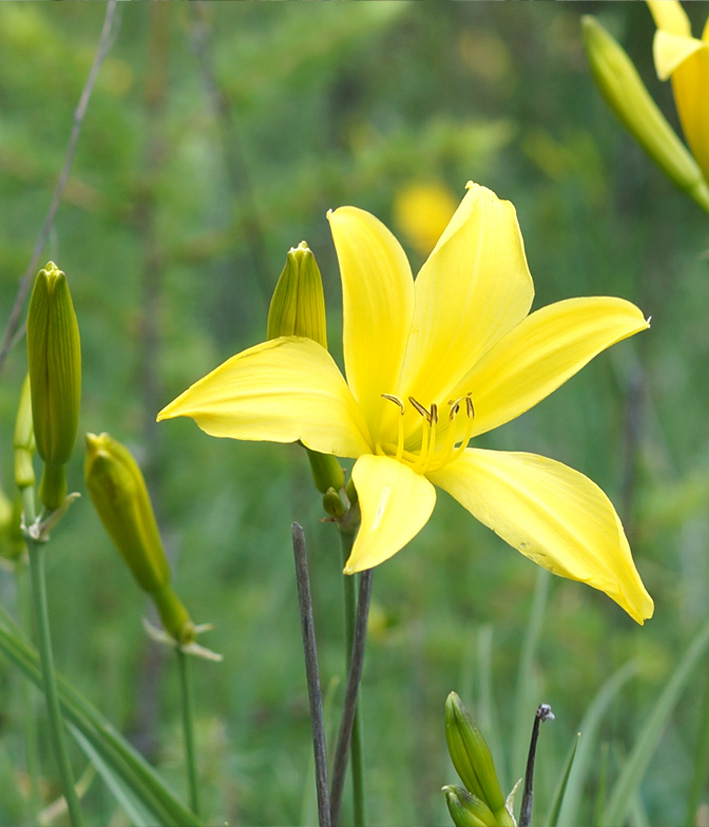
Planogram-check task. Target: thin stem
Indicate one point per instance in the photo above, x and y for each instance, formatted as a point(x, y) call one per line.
point(312, 673)
point(349, 737)
point(187, 693)
point(105, 42)
point(41, 618)
point(543, 713)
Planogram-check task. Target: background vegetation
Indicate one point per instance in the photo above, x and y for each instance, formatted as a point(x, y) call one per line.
point(216, 138)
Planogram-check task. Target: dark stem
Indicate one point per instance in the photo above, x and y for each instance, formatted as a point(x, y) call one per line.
point(347, 724)
point(543, 713)
point(105, 42)
point(312, 673)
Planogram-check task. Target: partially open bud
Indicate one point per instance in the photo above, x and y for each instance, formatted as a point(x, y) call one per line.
point(118, 491)
point(23, 439)
point(466, 809)
point(298, 303)
point(54, 356)
point(621, 86)
point(473, 761)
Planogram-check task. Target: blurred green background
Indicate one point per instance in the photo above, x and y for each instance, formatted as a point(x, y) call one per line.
point(217, 137)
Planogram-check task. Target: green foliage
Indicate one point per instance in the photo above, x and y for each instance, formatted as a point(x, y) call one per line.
point(181, 205)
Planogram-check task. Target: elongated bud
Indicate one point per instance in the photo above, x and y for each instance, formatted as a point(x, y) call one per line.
point(119, 493)
point(466, 809)
point(23, 439)
point(621, 86)
point(54, 355)
point(298, 303)
point(327, 471)
point(472, 759)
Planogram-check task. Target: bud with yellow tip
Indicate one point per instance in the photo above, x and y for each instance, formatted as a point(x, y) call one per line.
point(119, 493)
point(298, 303)
point(23, 439)
point(54, 356)
point(621, 86)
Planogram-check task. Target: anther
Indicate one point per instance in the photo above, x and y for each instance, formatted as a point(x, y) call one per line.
point(469, 407)
point(395, 400)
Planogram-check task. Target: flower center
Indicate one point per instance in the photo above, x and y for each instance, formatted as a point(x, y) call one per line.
point(441, 442)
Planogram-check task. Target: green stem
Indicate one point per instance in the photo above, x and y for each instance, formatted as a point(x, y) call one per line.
point(29, 699)
point(356, 750)
point(41, 618)
point(188, 727)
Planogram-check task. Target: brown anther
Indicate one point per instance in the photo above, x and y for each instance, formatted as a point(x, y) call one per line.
point(434, 413)
point(469, 407)
point(420, 408)
point(395, 400)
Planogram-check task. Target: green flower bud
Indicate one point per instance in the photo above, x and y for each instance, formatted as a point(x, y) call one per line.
point(23, 439)
point(54, 355)
point(621, 86)
point(332, 503)
point(466, 809)
point(119, 493)
point(298, 303)
point(327, 471)
point(472, 759)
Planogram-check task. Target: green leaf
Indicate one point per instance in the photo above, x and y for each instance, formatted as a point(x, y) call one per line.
point(563, 783)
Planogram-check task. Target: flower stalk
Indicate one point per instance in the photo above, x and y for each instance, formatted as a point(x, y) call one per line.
point(187, 695)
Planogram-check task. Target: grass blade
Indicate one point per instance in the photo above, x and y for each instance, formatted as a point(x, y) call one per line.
point(634, 768)
point(563, 783)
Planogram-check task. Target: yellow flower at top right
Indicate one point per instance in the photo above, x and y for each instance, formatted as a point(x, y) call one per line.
point(684, 59)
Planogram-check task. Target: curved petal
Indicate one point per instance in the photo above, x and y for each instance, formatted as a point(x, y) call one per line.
point(395, 503)
point(554, 515)
point(672, 50)
point(474, 287)
point(378, 301)
point(279, 391)
point(542, 352)
point(670, 16)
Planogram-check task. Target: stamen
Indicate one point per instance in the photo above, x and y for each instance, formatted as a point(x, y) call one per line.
point(400, 434)
point(420, 408)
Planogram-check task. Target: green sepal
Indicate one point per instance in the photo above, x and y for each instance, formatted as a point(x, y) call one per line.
point(54, 357)
point(298, 302)
point(620, 84)
point(23, 441)
point(471, 755)
point(119, 493)
point(466, 809)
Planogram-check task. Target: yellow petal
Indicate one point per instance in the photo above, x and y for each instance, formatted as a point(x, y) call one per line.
point(542, 352)
point(672, 50)
point(474, 287)
point(378, 300)
point(670, 16)
point(554, 515)
point(279, 391)
point(395, 503)
point(686, 60)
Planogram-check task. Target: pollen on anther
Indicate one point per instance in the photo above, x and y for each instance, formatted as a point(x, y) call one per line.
point(395, 400)
point(420, 408)
point(469, 407)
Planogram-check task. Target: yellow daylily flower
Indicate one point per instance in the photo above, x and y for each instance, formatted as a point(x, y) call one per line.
point(685, 59)
point(431, 364)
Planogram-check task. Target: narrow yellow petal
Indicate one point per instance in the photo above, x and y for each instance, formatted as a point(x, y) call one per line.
point(672, 50)
point(670, 16)
point(395, 503)
point(542, 352)
point(686, 61)
point(279, 391)
point(378, 301)
point(474, 287)
point(554, 515)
